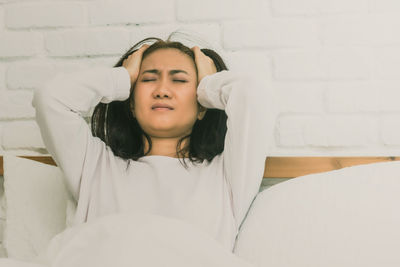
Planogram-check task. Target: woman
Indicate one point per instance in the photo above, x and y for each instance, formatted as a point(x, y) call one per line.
point(174, 133)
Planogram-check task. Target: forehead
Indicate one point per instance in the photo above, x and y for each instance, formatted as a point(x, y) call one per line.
point(168, 58)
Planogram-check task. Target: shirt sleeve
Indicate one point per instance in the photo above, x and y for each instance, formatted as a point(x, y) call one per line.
point(59, 106)
point(249, 106)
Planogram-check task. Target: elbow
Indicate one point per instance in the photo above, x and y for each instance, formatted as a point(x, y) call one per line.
point(42, 94)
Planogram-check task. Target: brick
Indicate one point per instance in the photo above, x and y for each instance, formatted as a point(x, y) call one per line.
point(207, 33)
point(346, 97)
point(256, 62)
point(344, 6)
point(371, 96)
point(2, 77)
point(339, 131)
point(87, 42)
point(271, 33)
point(326, 131)
point(372, 29)
point(292, 7)
point(123, 12)
point(22, 134)
point(16, 105)
point(141, 32)
point(35, 15)
point(219, 10)
point(313, 7)
point(1, 18)
point(388, 98)
point(385, 6)
point(391, 129)
point(202, 35)
point(290, 130)
point(19, 44)
point(299, 97)
point(28, 75)
point(36, 73)
point(346, 63)
point(346, 29)
point(387, 63)
point(322, 64)
point(297, 65)
point(390, 132)
point(385, 29)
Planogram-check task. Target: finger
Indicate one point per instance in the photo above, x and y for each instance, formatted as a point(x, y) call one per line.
point(196, 51)
point(199, 55)
point(143, 48)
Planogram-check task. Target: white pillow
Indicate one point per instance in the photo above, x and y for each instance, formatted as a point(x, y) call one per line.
point(36, 200)
point(348, 217)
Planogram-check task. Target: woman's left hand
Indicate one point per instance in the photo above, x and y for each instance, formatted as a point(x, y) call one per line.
point(205, 65)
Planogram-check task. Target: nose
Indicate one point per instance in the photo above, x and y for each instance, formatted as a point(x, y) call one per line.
point(162, 89)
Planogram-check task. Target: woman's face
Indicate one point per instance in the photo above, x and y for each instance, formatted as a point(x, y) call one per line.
point(166, 94)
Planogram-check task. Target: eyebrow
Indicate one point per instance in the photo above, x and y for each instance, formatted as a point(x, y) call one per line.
point(171, 72)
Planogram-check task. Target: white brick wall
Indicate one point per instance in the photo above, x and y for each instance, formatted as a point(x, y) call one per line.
point(270, 33)
point(82, 42)
point(19, 44)
point(316, 7)
point(334, 66)
point(125, 12)
point(61, 14)
point(1, 18)
point(2, 77)
point(16, 105)
point(210, 10)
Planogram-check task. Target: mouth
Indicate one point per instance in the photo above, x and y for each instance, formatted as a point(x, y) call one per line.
point(162, 109)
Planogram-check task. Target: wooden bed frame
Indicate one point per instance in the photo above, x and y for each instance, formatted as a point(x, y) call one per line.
point(280, 167)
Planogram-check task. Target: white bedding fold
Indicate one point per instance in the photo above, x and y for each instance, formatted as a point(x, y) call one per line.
point(134, 240)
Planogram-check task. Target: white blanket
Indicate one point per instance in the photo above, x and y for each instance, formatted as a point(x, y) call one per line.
point(134, 240)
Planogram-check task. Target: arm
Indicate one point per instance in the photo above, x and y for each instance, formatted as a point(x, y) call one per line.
point(250, 124)
point(65, 133)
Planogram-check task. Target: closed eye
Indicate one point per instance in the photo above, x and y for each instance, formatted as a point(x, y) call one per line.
point(175, 80)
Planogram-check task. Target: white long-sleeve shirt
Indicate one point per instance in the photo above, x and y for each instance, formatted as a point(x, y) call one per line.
point(214, 196)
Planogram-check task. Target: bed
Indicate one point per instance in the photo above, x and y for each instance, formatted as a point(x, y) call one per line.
point(339, 211)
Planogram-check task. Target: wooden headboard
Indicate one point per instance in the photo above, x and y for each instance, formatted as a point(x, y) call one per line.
point(281, 167)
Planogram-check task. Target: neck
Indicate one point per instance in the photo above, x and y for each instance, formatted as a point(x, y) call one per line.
point(164, 146)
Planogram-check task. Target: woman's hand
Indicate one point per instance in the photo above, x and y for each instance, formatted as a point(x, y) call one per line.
point(133, 62)
point(205, 65)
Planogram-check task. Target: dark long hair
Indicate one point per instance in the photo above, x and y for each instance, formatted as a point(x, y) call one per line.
point(115, 124)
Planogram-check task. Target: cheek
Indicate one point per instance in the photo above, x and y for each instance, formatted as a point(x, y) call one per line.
point(190, 99)
point(192, 109)
point(139, 97)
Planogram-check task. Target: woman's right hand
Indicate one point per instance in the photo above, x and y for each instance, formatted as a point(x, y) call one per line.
point(133, 62)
